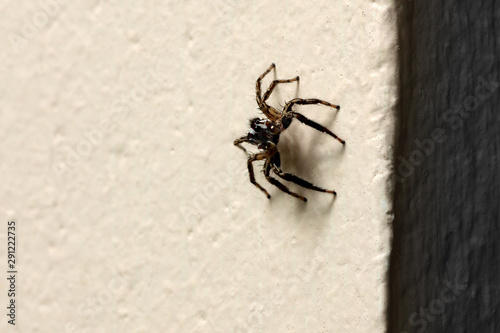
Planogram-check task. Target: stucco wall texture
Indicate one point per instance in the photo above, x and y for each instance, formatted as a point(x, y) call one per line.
point(133, 208)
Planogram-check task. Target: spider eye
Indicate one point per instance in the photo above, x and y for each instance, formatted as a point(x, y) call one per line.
point(258, 124)
point(253, 122)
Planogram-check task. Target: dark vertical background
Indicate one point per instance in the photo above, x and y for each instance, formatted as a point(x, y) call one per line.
point(445, 264)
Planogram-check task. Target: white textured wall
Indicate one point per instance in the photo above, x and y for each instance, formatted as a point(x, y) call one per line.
point(133, 207)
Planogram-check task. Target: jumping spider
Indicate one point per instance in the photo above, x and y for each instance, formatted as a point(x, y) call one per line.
point(265, 134)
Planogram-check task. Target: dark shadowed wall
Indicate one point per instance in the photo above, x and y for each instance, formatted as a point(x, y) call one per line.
point(445, 265)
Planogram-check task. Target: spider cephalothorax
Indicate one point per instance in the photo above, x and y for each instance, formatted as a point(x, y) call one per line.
point(265, 134)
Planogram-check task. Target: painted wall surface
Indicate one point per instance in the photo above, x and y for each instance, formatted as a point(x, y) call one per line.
point(133, 208)
point(445, 271)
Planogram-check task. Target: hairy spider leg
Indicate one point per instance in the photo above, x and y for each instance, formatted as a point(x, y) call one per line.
point(239, 141)
point(301, 182)
point(274, 84)
point(276, 164)
point(302, 101)
point(269, 111)
point(316, 126)
point(303, 119)
point(257, 87)
point(275, 182)
point(256, 157)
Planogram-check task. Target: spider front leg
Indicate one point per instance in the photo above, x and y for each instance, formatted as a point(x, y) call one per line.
point(274, 84)
point(239, 141)
point(302, 101)
point(251, 159)
point(258, 85)
point(275, 182)
point(268, 110)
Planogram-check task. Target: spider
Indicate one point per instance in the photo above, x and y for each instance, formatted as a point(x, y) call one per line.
point(265, 134)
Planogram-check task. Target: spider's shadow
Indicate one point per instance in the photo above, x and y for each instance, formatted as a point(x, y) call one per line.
point(298, 145)
point(302, 151)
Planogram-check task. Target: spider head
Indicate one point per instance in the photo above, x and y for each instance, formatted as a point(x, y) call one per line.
point(263, 131)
